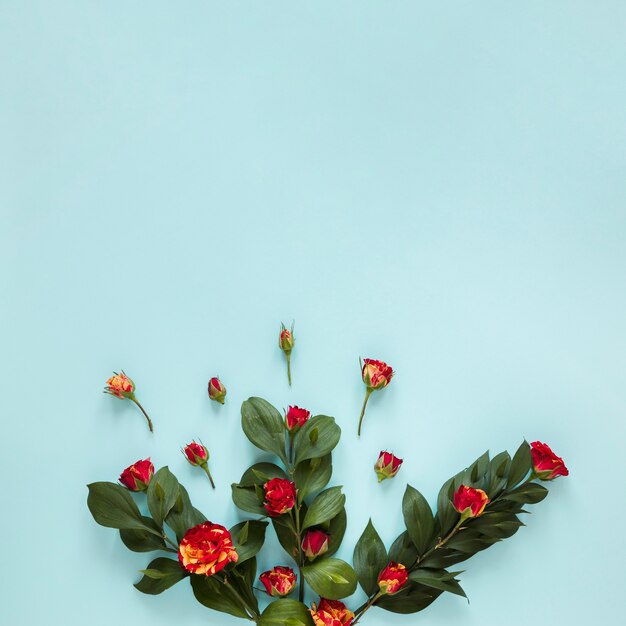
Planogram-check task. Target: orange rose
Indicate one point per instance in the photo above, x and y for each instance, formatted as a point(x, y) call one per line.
point(206, 549)
point(470, 502)
point(393, 578)
point(331, 613)
point(376, 375)
point(122, 387)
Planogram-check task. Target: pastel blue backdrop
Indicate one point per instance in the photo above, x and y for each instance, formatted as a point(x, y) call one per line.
point(440, 185)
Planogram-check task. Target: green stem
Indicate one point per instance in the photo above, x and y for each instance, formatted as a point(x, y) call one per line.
point(368, 393)
point(205, 467)
point(365, 607)
point(288, 355)
point(252, 614)
point(144, 412)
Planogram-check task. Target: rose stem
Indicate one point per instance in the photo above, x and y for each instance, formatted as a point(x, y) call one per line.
point(366, 606)
point(205, 467)
point(288, 354)
point(368, 393)
point(144, 412)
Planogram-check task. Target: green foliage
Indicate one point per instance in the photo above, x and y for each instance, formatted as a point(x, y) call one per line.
point(313, 475)
point(326, 505)
point(330, 578)
point(248, 492)
point(264, 426)
point(248, 538)
point(418, 519)
point(183, 515)
point(211, 592)
point(162, 494)
point(140, 540)
point(310, 447)
point(160, 575)
point(286, 612)
point(370, 558)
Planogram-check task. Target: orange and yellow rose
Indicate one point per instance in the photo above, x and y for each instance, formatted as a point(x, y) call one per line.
point(331, 613)
point(279, 581)
point(206, 549)
point(393, 578)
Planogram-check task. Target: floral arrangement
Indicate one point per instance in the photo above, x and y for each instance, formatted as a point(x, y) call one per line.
point(476, 508)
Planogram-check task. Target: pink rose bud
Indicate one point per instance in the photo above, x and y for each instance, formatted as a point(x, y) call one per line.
point(546, 464)
point(279, 581)
point(296, 418)
point(315, 543)
point(217, 391)
point(198, 455)
point(286, 341)
point(137, 477)
point(470, 502)
point(122, 387)
point(387, 466)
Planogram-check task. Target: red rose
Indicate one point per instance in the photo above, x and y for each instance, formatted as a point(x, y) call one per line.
point(120, 386)
point(387, 465)
point(196, 453)
point(137, 477)
point(296, 417)
point(393, 578)
point(315, 543)
point(280, 496)
point(206, 549)
point(470, 502)
point(279, 581)
point(547, 464)
point(217, 391)
point(331, 613)
point(376, 374)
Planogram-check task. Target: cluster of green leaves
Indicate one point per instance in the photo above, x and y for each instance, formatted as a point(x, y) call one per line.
point(171, 512)
point(306, 460)
point(430, 545)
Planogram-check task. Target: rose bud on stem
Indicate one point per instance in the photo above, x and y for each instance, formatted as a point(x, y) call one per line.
point(198, 455)
point(546, 464)
point(279, 581)
point(376, 375)
point(315, 543)
point(286, 341)
point(217, 390)
point(469, 503)
point(122, 387)
point(137, 477)
point(387, 466)
point(295, 418)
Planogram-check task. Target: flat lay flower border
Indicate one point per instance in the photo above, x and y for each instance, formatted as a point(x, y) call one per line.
point(476, 508)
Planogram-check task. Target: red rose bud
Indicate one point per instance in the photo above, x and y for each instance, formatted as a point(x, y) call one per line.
point(198, 455)
point(393, 578)
point(376, 375)
point(296, 418)
point(137, 477)
point(387, 466)
point(547, 465)
point(279, 581)
point(286, 341)
point(217, 391)
point(122, 387)
point(331, 613)
point(207, 549)
point(315, 543)
point(470, 502)
point(280, 496)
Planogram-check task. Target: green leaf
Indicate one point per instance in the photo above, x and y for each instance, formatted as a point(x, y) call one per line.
point(264, 426)
point(437, 579)
point(162, 494)
point(418, 519)
point(370, 558)
point(520, 465)
point(336, 528)
point(260, 473)
point(529, 493)
point(330, 578)
point(140, 540)
point(247, 499)
point(286, 612)
point(411, 599)
point(446, 513)
point(248, 494)
point(285, 531)
point(160, 575)
point(248, 538)
point(313, 475)
point(328, 434)
point(212, 593)
point(327, 504)
point(112, 506)
point(403, 550)
point(183, 515)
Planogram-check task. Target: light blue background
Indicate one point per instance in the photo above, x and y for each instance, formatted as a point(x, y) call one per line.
point(437, 184)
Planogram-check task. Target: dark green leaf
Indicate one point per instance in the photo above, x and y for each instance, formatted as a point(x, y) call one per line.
point(330, 578)
point(528, 493)
point(403, 550)
point(411, 599)
point(520, 465)
point(162, 494)
point(285, 532)
point(160, 575)
point(248, 538)
point(418, 519)
point(247, 499)
point(183, 515)
point(437, 579)
point(112, 506)
point(260, 473)
point(264, 426)
point(140, 540)
point(214, 594)
point(313, 475)
point(446, 514)
point(336, 528)
point(370, 558)
point(286, 612)
point(327, 504)
point(327, 438)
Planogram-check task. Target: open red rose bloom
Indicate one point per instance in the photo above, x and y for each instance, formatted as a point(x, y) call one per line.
point(547, 464)
point(206, 549)
point(331, 613)
point(280, 496)
point(470, 501)
point(393, 578)
point(296, 417)
point(376, 374)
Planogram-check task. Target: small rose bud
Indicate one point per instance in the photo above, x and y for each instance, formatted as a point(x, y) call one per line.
point(546, 464)
point(387, 466)
point(196, 453)
point(137, 477)
point(315, 543)
point(279, 581)
point(470, 502)
point(331, 613)
point(286, 341)
point(280, 496)
point(376, 375)
point(217, 391)
point(122, 387)
point(296, 418)
point(393, 578)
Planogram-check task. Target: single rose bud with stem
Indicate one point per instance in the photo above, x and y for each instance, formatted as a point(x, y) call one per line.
point(122, 387)
point(286, 341)
point(376, 375)
point(198, 455)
